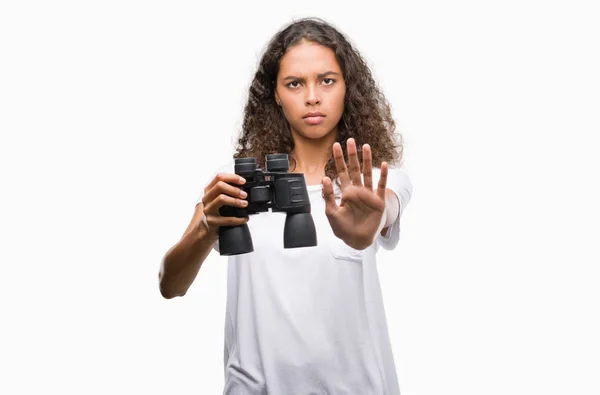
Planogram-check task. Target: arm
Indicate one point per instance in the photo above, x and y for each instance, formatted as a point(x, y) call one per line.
point(182, 262)
point(392, 209)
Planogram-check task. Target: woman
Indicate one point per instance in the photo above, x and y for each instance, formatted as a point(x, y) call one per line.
point(307, 320)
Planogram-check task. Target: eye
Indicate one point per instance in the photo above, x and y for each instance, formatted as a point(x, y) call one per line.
point(289, 85)
point(331, 81)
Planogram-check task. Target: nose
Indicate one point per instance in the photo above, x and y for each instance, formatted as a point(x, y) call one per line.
point(312, 96)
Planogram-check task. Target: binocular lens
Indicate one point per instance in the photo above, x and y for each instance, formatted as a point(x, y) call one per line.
point(278, 162)
point(245, 166)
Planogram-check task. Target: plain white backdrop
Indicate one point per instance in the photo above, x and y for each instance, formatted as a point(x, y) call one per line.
point(113, 115)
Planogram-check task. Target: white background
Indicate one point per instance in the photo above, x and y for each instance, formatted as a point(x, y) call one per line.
point(114, 113)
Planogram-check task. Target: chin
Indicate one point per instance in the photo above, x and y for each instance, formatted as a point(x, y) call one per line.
point(314, 136)
point(315, 132)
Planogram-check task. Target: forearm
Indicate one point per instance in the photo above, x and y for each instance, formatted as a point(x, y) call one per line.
point(392, 209)
point(182, 262)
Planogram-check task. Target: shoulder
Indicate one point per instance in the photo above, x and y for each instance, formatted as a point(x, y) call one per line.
point(397, 181)
point(226, 167)
point(208, 175)
point(395, 174)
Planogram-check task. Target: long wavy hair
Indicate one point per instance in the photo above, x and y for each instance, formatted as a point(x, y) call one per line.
point(366, 117)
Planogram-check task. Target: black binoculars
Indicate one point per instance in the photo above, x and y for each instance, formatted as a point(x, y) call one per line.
point(274, 189)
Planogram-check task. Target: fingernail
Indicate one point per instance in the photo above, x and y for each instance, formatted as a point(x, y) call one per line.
point(242, 180)
point(243, 194)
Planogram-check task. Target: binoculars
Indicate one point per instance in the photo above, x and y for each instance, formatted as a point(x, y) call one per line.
point(274, 189)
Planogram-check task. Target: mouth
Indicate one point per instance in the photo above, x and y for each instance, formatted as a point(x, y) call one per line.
point(313, 115)
point(314, 119)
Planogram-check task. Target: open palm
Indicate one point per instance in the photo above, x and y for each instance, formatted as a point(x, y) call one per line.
point(361, 208)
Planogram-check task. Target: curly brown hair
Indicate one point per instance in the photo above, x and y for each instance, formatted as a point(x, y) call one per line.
point(366, 118)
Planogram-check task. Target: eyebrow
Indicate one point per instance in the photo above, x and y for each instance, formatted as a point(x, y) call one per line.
point(319, 76)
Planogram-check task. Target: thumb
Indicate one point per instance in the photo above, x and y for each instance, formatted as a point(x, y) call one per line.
point(330, 205)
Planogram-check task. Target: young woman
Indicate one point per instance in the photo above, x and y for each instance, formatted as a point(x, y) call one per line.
point(307, 320)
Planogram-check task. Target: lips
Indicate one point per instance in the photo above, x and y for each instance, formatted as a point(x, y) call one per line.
point(313, 114)
point(314, 118)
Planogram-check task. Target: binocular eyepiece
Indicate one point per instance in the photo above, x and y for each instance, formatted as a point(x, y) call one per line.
point(275, 189)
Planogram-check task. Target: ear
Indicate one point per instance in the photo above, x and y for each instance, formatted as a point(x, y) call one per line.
point(277, 100)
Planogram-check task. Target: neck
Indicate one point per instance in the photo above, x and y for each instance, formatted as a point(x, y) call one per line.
point(312, 155)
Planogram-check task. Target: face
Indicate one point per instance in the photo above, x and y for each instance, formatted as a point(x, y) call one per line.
point(310, 89)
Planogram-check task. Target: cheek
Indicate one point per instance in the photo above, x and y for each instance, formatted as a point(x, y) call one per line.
point(289, 105)
point(339, 102)
point(340, 97)
point(288, 110)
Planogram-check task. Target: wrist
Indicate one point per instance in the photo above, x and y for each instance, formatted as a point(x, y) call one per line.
point(359, 243)
point(384, 220)
point(205, 232)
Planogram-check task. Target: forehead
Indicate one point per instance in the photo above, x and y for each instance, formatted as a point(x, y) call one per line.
point(308, 58)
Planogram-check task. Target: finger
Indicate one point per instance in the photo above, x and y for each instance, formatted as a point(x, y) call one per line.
point(330, 205)
point(367, 167)
point(340, 165)
point(353, 162)
point(382, 180)
point(223, 200)
point(226, 178)
point(221, 187)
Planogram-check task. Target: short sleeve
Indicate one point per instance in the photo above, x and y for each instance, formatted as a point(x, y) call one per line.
point(226, 168)
point(399, 183)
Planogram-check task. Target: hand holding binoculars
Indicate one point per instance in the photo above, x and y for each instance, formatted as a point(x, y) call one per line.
point(276, 189)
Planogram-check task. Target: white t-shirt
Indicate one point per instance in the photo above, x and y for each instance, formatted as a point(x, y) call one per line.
point(310, 320)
